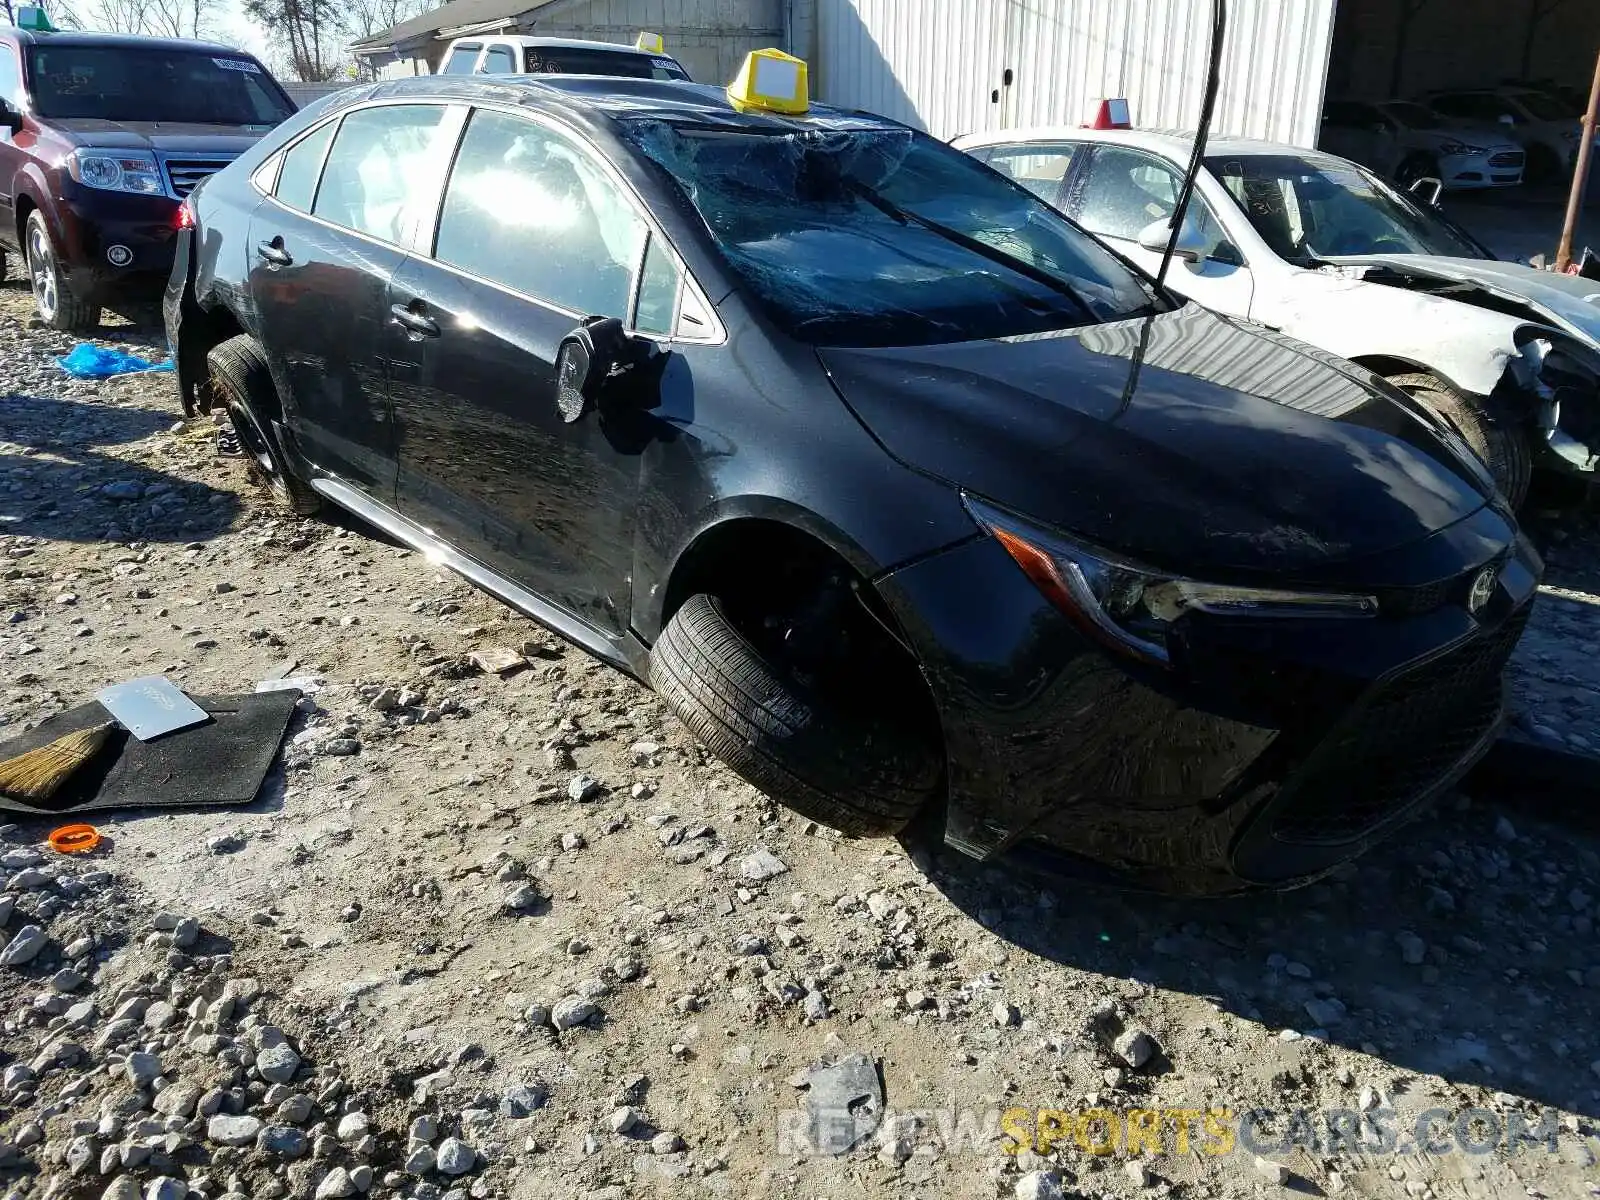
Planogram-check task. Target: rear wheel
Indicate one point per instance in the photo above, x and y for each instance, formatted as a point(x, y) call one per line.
point(856, 751)
point(243, 383)
point(57, 306)
point(1506, 451)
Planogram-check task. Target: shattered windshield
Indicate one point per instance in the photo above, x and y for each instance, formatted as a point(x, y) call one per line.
point(1310, 210)
point(876, 236)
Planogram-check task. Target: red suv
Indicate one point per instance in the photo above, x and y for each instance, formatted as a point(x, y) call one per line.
point(101, 137)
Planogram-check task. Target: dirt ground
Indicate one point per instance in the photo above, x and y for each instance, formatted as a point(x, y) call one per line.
point(353, 984)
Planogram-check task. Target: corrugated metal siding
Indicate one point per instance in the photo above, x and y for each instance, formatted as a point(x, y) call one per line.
point(931, 65)
point(709, 37)
point(940, 65)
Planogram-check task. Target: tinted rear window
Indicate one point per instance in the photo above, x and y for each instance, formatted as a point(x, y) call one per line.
point(560, 60)
point(121, 83)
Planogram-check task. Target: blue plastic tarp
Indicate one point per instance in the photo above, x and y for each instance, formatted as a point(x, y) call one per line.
point(88, 361)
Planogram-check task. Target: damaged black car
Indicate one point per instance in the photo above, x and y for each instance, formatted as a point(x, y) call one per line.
point(915, 503)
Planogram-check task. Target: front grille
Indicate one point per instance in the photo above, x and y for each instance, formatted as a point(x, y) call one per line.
point(1507, 159)
point(183, 174)
point(1404, 737)
point(1417, 601)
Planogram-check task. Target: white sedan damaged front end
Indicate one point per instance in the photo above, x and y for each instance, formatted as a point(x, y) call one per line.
point(1536, 359)
point(1564, 376)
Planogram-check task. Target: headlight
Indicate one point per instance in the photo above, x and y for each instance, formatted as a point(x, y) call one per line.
point(1459, 148)
point(118, 171)
point(1131, 609)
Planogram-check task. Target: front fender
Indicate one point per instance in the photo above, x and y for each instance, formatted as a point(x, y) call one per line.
point(33, 187)
point(1467, 347)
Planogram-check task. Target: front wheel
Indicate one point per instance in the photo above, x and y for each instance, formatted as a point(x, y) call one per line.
point(1506, 451)
point(846, 762)
point(1415, 167)
point(58, 308)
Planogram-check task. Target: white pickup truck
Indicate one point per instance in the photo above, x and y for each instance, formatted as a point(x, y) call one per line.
point(515, 54)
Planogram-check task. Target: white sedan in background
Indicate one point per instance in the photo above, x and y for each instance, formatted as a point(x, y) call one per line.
point(1322, 250)
point(1406, 142)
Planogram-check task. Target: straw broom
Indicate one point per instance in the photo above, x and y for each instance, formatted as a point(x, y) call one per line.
point(33, 777)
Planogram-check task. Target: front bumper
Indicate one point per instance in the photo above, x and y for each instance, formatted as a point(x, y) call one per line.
point(1278, 750)
point(113, 244)
point(1497, 169)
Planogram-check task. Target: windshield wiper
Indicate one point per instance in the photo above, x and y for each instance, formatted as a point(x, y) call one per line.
point(967, 242)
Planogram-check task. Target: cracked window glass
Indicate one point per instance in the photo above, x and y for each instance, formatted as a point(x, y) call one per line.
point(874, 236)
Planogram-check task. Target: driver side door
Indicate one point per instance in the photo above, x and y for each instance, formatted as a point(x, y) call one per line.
point(534, 233)
point(1122, 193)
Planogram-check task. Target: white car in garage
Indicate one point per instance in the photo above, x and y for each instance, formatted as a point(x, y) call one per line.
point(1322, 250)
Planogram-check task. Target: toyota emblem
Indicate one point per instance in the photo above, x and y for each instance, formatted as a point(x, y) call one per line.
point(119, 255)
point(1482, 590)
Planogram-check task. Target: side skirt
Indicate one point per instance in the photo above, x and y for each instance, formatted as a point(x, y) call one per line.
point(626, 653)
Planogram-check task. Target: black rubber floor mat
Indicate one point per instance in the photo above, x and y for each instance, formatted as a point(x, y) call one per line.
point(221, 762)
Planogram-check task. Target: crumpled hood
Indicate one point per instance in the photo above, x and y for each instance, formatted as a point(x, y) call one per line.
point(1570, 302)
point(1187, 440)
point(222, 141)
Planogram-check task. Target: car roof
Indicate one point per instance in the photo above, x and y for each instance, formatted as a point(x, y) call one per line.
point(612, 97)
point(522, 39)
point(1176, 144)
point(125, 41)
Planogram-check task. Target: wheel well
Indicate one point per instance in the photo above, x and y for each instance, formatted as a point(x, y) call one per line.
point(1389, 367)
point(740, 559)
point(203, 330)
point(25, 206)
point(759, 568)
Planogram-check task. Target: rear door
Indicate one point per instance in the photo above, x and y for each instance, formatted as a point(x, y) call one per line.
point(1120, 193)
point(323, 249)
point(534, 234)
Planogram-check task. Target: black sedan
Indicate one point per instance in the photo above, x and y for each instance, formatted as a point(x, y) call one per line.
point(911, 500)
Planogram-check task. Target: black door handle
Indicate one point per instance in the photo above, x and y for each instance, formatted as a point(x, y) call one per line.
point(415, 322)
point(274, 252)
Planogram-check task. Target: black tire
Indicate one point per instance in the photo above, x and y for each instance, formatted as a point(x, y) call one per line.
point(55, 303)
point(1417, 166)
point(243, 383)
point(861, 774)
point(1505, 450)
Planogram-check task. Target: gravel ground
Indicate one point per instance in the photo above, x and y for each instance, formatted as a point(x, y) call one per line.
point(516, 935)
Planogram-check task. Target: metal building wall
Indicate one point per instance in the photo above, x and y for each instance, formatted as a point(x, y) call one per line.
point(941, 64)
point(709, 37)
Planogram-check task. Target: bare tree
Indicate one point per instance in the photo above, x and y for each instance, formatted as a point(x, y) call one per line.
point(106, 16)
point(1538, 13)
point(182, 18)
point(307, 32)
point(363, 18)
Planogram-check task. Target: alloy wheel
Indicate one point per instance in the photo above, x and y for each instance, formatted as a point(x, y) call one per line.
point(42, 272)
point(253, 444)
